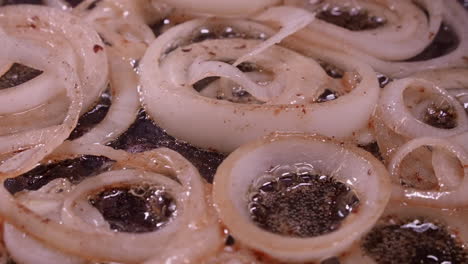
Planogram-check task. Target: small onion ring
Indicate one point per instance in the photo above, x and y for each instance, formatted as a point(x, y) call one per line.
point(456, 197)
point(395, 124)
point(348, 164)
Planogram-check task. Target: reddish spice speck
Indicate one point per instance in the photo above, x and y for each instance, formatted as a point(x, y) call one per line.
point(431, 35)
point(421, 90)
point(97, 48)
point(212, 53)
point(277, 111)
point(369, 172)
point(33, 26)
point(186, 50)
point(241, 47)
point(304, 111)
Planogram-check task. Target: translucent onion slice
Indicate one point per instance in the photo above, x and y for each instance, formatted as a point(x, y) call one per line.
point(452, 14)
point(455, 196)
point(224, 9)
point(77, 237)
point(26, 250)
point(406, 32)
point(395, 122)
point(453, 219)
point(125, 103)
point(46, 202)
point(53, 27)
point(290, 20)
point(24, 149)
point(166, 88)
point(347, 164)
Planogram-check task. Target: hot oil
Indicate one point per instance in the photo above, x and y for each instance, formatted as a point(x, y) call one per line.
point(301, 204)
point(413, 241)
point(136, 208)
point(75, 170)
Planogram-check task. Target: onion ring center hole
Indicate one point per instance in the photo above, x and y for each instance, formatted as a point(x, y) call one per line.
point(430, 108)
point(223, 31)
point(214, 29)
point(295, 201)
point(351, 18)
point(445, 41)
point(17, 74)
point(135, 208)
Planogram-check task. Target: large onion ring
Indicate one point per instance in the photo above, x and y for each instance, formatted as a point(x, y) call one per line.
point(348, 164)
point(406, 32)
point(225, 125)
point(101, 245)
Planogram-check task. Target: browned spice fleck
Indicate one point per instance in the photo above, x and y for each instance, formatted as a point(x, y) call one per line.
point(97, 48)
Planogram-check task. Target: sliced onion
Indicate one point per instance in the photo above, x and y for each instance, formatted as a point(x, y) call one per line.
point(348, 164)
point(100, 244)
point(26, 250)
point(165, 89)
point(454, 80)
point(47, 202)
point(453, 219)
point(125, 103)
point(29, 147)
point(406, 32)
point(383, 61)
point(290, 20)
point(395, 124)
point(54, 27)
point(225, 8)
point(454, 193)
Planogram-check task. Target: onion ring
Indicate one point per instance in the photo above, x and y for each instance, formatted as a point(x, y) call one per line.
point(192, 217)
point(237, 172)
point(395, 123)
point(165, 89)
point(53, 27)
point(456, 196)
